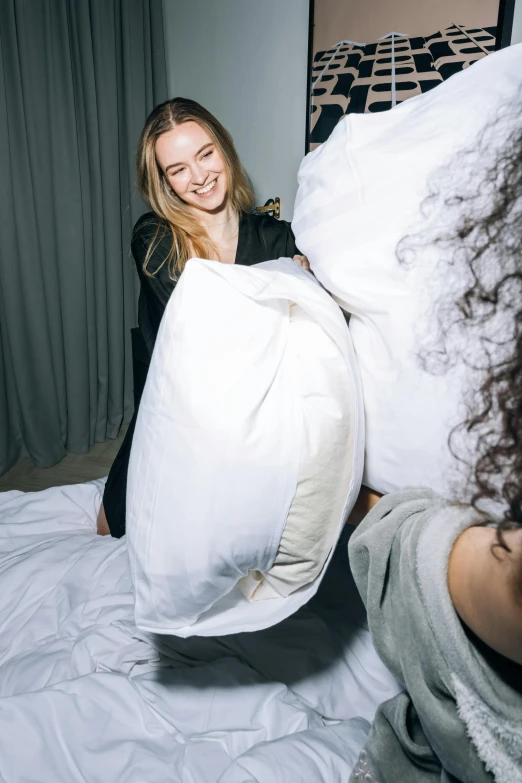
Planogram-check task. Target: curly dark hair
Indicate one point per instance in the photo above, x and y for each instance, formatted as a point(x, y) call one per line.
point(474, 212)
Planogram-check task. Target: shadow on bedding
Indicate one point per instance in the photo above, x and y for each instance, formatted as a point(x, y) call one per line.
point(323, 653)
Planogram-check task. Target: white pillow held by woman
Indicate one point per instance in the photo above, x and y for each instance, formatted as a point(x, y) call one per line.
point(248, 449)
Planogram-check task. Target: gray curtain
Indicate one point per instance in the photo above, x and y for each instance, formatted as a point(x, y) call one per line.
point(77, 80)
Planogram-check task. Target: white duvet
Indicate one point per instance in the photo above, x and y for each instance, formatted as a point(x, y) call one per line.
point(86, 697)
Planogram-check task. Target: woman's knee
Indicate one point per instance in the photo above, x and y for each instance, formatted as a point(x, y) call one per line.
point(102, 526)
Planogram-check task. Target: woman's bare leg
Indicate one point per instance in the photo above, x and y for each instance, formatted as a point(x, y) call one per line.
point(102, 528)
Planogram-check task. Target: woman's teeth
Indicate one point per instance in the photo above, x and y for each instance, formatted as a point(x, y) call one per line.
point(206, 189)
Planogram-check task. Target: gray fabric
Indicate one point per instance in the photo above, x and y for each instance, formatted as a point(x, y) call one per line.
point(457, 718)
point(78, 78)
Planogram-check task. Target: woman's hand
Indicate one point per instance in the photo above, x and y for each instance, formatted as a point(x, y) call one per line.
point(302, 261)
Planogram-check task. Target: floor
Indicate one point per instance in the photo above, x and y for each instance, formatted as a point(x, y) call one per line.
point(73, 468)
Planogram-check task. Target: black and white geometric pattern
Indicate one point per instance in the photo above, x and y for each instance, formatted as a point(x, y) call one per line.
point(357, 77)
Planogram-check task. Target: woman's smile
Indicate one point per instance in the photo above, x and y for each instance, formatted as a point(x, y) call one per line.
point(207, 188)
point(193, 166)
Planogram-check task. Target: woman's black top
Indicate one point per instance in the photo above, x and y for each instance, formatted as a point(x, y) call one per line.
point(260, 238)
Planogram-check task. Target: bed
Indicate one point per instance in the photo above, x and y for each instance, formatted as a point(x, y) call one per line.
point(85, 696)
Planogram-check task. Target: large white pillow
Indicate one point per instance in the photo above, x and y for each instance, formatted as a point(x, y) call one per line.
point(248, 450)
point(359, 194)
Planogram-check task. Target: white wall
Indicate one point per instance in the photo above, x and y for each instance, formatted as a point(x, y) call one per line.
point(246, 61)
point(516, 36)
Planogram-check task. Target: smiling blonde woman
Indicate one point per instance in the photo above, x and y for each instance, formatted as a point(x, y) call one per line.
point(190, 174)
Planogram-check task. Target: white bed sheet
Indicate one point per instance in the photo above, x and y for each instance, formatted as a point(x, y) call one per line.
point(86, 697)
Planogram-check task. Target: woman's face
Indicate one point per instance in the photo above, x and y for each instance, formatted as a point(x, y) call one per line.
point(193, 166)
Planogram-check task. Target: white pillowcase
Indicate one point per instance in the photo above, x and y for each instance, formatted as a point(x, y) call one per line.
point(359, 194)
point(248, 450)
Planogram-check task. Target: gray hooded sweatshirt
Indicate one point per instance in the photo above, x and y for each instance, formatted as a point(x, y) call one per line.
point(458, 719)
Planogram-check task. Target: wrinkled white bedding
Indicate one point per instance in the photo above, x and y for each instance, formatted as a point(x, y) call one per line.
point(86, 697)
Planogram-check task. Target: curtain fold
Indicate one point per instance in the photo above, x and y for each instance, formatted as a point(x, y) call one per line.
point(77, 80)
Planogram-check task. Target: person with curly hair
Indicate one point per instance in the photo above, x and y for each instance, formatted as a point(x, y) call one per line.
point(442, 581)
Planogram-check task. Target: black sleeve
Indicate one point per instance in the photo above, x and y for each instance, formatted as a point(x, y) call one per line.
point(155, 290)
point(291, 248)
point(154, 295)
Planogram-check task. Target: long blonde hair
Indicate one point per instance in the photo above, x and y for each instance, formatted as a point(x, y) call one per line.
point(189, 237)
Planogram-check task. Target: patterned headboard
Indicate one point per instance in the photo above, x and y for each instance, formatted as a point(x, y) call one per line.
point(357, 77)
